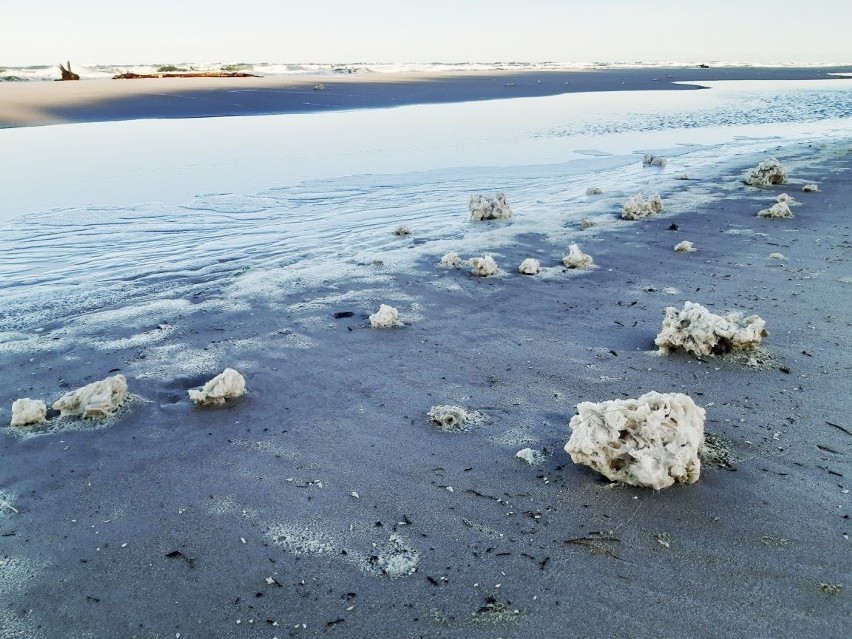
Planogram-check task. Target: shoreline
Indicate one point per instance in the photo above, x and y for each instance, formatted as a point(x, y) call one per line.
point(45, 103)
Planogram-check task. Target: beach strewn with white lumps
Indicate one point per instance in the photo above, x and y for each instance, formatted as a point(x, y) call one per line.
point(475, 395)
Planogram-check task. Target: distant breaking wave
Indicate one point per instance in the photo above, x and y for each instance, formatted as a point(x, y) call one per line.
point(105, 71)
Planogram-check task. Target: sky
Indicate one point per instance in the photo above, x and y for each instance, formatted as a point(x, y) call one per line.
point(336, 31)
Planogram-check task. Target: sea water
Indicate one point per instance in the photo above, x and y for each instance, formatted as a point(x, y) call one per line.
point(120, 217)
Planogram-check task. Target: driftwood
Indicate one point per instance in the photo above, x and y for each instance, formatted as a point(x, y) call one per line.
point(68, 74)
point(195, 74)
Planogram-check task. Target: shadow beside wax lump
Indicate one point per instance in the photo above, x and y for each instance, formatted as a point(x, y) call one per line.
point(685, 247)
point(593, 190)
point(385, 317)
point(402, 230)
point(652, 441)
point(654, 160)
point(95, 400)
point(451, 418)
point(700, 332)
point(483, 207)
point(810, 188)
point(228, 384)
point(638, 207)
point(27, 412)
point(577, 259)
point(451, 260)
point(768, 172)
point(483, 266)
point(530, 266)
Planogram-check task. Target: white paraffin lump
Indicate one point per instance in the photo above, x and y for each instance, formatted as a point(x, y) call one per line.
point(654, 160)
point(780, 209)
point(652, 441)
point(483, 266)
point(700, 332)
point(483, 207)
point(685, 247)
point(810, 188)
point(385, 317)
point(766, 173)
point(402, 230)
point(451, 260)
point(638, 207)
point(449, 417)
point(530, 266)
point(593, 190)
point(577, 259)
point(95, 400)
point(228, 384)
point(26, 412)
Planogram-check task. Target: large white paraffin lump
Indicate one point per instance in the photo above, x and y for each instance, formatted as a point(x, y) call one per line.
point(780, 209)
point(654, 160)
point(768, 172)
point(26, 412)
point(483, 266)
point(700, 332)
point(530, 266)
point(638, 207)
point(449, 417)
point(228, 384)
point(684, 247)
point(95, 400)
point(576, 258)
point(385, 317)
point(451, 260)
point(483, 207)
point(652, 441)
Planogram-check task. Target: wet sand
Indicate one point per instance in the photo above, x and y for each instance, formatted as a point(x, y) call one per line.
point(40, 103)
point(302, 508)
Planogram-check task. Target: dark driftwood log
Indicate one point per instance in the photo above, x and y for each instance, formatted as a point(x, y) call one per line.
point(195, 74)
point(68, 74)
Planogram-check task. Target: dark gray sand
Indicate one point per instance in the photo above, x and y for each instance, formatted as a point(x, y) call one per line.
point(300, 509)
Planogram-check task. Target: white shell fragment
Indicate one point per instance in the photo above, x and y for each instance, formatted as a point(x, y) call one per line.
point(96, 400)
point(28, 412)
point(228, 384)
point(700, 332)
point(652, 441)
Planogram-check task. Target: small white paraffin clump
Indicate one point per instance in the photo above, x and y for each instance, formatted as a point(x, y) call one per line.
point(700, 332)
point(638, 207)
point(682, 176)
point(385, 317)
point(766, 173)
point(577, 259)
point(95, 400)
point(593, 190)
point(27, 412)
point(451, 260)
point(780, 209)
point(810, 188)
point(777, 256)
point(652, 441)
point(684, 247)
point(402, 230)
point(228, 384)
point(654, 160)
point(483, 207)
point(530, 266)
point(532, 457)
point(587, 223)
point(483, 266)
point(448, 417)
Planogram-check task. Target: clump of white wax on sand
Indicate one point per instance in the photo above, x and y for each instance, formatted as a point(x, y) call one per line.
point(96, 400)
point(402, 230)
point(577, 259)
point(530, 266)
point(28, 412)
point(685, 247)
point(531, 456)
point(654, 160)
point(810, 188)
point(767, 173)
point(483, 266)
point(451, 260)
point(653, 441)
point(781, 208)
point(228, 384)
point(700, 332)
point(593, 190)
point(484, 207)
point(638, 207)
point(385, 317)
point(451, 418)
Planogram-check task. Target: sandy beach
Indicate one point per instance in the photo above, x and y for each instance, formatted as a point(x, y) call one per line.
point(324, 503)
